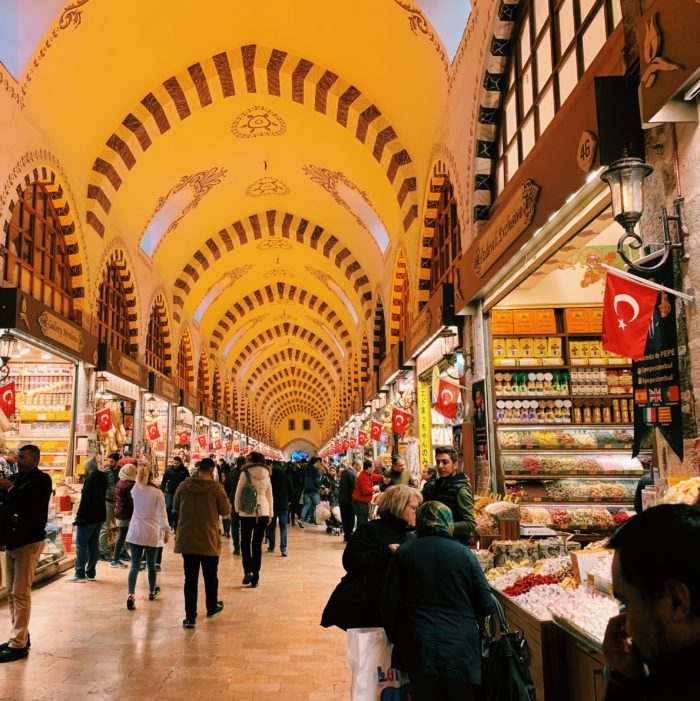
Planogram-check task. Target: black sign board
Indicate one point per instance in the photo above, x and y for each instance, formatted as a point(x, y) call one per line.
point(189, 401)
point(656, 377)
point(163, 388)
point(435, 315)
point(392, 363)
point(207, 410)
point(117, 363)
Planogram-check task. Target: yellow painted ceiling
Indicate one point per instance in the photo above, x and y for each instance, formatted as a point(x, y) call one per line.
point(280, 145)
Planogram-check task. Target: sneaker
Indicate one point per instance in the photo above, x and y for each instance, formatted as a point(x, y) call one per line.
point(10, 654)
point(75, 579)
point(254, 581)
point(237, 552)
point(131, 602)
point(157, 567)
point(219, 608)
point(104, 557)
point(301, 524)
point(91, 579)
point(118, 563)
point(284, 553)
point(154, 594)
point(270, 550)
point(188, 623)
point(247, 578)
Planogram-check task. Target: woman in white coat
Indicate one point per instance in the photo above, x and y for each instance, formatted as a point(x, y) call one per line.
point(254, 519)
point(148, 530)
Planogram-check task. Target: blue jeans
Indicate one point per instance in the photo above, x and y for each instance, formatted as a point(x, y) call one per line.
point(87, 549)
point(172, 515)
point(311, 501)
point(283, 531)
point(137, 552)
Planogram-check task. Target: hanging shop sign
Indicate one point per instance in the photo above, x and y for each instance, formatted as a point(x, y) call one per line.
point(357, 405)
point(392, 364)
point(656, 377)
point(163, 388)
point(371, 388)
point(24, 313)
point(669, 56)
point(425, 443)
point(206, 409)
point(438, 313)
point(189, 401)
point(117, 363)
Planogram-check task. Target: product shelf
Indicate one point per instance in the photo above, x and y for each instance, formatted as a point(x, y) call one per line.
point(601, 476)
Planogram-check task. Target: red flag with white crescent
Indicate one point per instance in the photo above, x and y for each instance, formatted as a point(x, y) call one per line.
point(7, 399)
point(345, 445)
point(183, 437)
point(448, 399)
point(362, 439)
point(399, 421)
point(353, 443)
point(227, 446)
point(153, 431)
point(104, 420)
point(375, 431)
point(217, 444)
point(202, 440)
point(627, 310)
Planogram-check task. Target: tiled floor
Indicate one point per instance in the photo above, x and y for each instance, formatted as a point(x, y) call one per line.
point(266, 644)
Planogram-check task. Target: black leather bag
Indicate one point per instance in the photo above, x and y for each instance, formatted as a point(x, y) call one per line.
point(505, 675)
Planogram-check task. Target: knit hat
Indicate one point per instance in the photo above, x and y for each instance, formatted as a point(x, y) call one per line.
point(128, 472)
point(434, 517)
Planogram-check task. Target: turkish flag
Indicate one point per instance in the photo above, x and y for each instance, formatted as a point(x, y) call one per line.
point(202, 440)
point(227, 446)
point(448, 399)
point(217, 444)
point(104, 420)
point(399, 421)
point(153, 431)
point(362, 439)
point(346, 445)
point(183, 437)
point(627, 310)
point(375, 431)
point(353, 442)
point(7, 399)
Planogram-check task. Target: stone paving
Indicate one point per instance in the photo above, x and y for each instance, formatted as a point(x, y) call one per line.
point(266, 644)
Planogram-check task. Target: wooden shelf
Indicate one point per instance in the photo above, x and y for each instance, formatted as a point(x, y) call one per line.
point(540, 477)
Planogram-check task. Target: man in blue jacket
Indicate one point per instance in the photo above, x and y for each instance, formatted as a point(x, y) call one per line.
point(26, 503)
point(312, 492)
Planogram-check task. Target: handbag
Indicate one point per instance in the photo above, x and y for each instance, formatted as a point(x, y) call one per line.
point(505, 675)
point(373, 677)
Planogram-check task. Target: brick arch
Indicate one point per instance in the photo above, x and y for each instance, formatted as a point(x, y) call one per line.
point(159, 307)
point(399, 285)
point(262, 226)
point(204, 374)
point(216, 387)
point(303, 388)
point(291, 375)
point(245, 70)
point(25, 175)
point(364, 359)
point(379, 343)
point(293, 406)
point(274, 398)
point(228, 397)
point(437, 178)
point(186, 339)
point(490, 102)
point(293, 355)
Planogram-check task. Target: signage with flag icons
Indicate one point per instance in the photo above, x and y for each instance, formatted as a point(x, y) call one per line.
point(448, 399)
point(627, 310)
point(8, 399)
point(153, 431)
point(362, 439)
point(202, 440)
point(399, 421)
point(183, 437)
point(375, 431)
point(104, 420)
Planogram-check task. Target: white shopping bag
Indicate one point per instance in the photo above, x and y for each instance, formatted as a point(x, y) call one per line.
point(373, 678)
point(323, 512)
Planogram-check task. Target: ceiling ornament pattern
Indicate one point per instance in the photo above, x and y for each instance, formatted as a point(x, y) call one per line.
point(263, 187)
point(213, 79)
point(280, 273)
point(258, 121)
point(230, 278)
point(420, 25)
point(274, 244)
point(296, 357)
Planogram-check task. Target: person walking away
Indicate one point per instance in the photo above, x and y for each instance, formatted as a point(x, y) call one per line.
point(25, 500)
point(397, 474)
point(355, 601)
point(111, 473)
point(652, 647)
point(89, 520)
point(148, 528)
point(346, 485)
point(173, 477)
point(123, 507)
point(433, 594)
point(452, 488)
point(296, 472)
point(200, 502)
point(363, 492)
point(312, 492)
point(230, 485)
point(224, 471)
point(282, 495)
point(255, 512)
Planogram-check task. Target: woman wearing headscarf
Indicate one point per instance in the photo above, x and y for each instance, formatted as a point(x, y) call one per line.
point(123, 506)
point(355, 601)
point(433, 594)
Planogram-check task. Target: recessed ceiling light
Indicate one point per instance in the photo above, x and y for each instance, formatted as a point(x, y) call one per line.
point(46, 356)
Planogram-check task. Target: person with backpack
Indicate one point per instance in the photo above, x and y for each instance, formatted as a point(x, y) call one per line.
point(312, 492)
point(230, 485)
point(282, 495)
point(254, 505)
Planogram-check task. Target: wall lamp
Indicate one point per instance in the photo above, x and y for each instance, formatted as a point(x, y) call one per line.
point(625, 178)
point(7, 347)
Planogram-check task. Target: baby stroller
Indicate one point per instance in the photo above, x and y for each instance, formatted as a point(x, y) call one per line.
point(329, 512)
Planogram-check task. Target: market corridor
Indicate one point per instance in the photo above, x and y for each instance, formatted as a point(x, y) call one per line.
point(266, 644)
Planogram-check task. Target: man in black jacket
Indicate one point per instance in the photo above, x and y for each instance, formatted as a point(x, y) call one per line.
point(346, 486)
point(452, 488)
point(230, 485)
point(111, 473)
point(89, 519)
point(282, 495)
point(27, 503)
point(173, 477)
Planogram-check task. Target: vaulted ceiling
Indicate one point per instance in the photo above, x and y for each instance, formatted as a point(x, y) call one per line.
point(265, 161)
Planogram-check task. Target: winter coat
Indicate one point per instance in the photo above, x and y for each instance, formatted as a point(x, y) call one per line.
point(282, 490)
point(149, 522)
point(260, 477)
point(403, 477)
point(123, 503)
point(346, 484)
point(231, 484)
point(329, 489)
point(199, 502)
point(364, 487)
point(173, 477)
point(111, 477)
point(355, 601)
point(455, 492)
point(92, 507)
point(296, 474)
point(312, 480)
point(27, 505)
point(433, 593)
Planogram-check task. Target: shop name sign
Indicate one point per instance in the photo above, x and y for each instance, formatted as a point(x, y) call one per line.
point(391, 363)
point(57, 329)
point(506, 227)
point(129, 368)
point(163, 388)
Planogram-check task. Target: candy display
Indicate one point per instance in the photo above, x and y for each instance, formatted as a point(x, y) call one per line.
point(503, 510)
point(540, 599)
point(514, 551)
point(556, 439)
point(573, 490)
point(585, 518)
point(587, 610)
point(685, 492)
point(527, 582)
point(486, 525)
point(493, 574)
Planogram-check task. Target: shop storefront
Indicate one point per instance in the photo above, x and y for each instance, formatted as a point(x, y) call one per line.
point(183, 427)
point(159, 417)
point(205, 426)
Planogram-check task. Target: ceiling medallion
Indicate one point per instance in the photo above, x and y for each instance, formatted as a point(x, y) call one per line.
point(274, 243)
point(278, 272)
point(258, 121)
point(420, 24)
point(319, 274)
point(267, 186)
